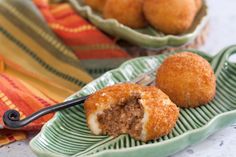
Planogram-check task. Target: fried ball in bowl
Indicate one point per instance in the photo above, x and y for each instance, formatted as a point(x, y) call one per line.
point(127, 12)
point(187, 79)
point(97, 5)
point(170, 17)
point(145, 113)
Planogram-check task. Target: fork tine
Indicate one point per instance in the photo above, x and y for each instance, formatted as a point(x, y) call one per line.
point(145, 79)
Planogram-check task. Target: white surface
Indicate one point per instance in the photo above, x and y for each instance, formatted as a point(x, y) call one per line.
point(222, 33)
point(17, 149)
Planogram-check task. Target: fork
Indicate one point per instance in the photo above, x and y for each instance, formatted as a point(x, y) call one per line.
point(11, 118)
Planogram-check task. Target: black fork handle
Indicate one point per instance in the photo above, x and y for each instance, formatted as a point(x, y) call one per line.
point(11, 118)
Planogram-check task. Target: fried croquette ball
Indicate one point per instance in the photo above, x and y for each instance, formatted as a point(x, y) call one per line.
point(170, 17)
point(127, 12)
point(187, 79)
point(97, 5)
point(145, 113)
point(198, 4)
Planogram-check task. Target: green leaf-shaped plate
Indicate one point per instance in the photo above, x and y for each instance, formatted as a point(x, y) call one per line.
point(146, 37)
point(68, 135)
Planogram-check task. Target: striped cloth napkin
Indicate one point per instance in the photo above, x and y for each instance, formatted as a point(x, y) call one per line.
point(47, 53)
point(97, 52)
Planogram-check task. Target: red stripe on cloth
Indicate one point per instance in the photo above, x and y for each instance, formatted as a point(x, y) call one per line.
point(62, 11)
point(15, 84)
point(68, 26)
point(11, 138)
point(3, 109)
point(42, 3)
point(14, 95)
point(64, 15)
point(8, 136)
point(72, 21)
point(103, 54)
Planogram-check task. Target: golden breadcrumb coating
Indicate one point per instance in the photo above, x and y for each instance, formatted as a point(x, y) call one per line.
point(160, 114)
point(170, 17)
point(97, 5)
point(187, 79)
point(127, 12)
point(198, 4)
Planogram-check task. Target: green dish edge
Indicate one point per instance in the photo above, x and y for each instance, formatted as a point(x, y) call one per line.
point(114, 28)
point(190, 137)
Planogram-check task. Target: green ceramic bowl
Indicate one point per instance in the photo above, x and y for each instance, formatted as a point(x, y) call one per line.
point(147, 37)
point(68, 135)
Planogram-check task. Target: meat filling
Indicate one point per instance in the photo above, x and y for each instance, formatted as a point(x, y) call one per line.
point(123, 118)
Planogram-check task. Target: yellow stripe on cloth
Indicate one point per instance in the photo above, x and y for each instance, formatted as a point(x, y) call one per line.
point(52, 69)
point(38, 30)
point(72, 30)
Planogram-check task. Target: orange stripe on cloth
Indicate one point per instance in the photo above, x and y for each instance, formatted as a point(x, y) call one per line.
point(14, 94)
point(16, 97)
point(2, 67)
point(73, 30)
point(20, 87)
point(32, 75)
point(4, 100)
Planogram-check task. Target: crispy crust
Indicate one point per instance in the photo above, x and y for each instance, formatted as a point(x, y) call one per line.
point(170, 17)
point(160, 114)
point(198, 4)
point(187, 79)
point(127, 12)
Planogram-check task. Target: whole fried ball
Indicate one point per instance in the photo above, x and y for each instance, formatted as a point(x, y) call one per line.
point(127, 12)
point(172, 16)
point(198, 4)
point(97, 5)
point(187, 79)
